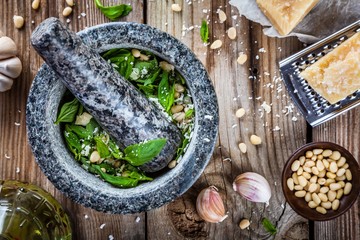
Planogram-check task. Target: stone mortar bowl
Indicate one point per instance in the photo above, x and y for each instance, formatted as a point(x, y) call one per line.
point(85, 188)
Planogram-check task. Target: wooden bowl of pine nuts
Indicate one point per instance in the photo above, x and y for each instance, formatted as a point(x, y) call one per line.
point(321, 180)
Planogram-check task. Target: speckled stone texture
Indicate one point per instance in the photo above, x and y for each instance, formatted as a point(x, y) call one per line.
point(67, 175)
point(113, 101)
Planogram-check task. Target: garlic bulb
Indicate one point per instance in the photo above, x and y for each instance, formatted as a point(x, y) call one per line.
point(11, 67)
point(210, 206)
point(7, 48)
point(253, 187)
point(5, 83)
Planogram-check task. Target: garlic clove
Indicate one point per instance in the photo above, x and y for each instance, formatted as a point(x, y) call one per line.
point(210, 206)
point(253, 187)
point(7, 48)
point(5, 83)
point(11, 67)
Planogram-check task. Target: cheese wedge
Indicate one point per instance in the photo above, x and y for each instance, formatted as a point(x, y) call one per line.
point(286, 14)
point(337, 74)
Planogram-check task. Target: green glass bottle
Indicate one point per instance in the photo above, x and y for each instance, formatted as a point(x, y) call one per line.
point(28, 212)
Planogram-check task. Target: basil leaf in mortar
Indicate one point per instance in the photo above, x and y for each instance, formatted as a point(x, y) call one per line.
point(204, 31)
point(68, 111)
point(114, 12)
point(165, 92)
point(102, 148)
point(117, 181)
point(269, 227)
point(138, 154)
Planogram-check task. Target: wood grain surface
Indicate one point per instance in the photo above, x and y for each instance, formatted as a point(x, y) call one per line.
point(249, 86)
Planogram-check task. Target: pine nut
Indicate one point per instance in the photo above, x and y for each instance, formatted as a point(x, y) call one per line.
point(320, 157)
point(331, 195)
point(348, 175)
point(300, 171)
point(323, 197)
point(342, 184)
point(177, 108)
point(306, 175)
point(320, 166)
point(335, 204)
point(341, 162)
point(312, 187)
point(316, 198)
point(231, 33)
point(70, 3)
point(94, 157)
point(290, 183)
point(245, 223)
point(315, 171)
point(321, 181)
point(327, 153)
point(310, 164)
point(243, 147)
point(313, 179)
point(135, 52)
point(335, 155)
point(18, 21)
point(333, 167)
point(322, 173)
point(255, 140)
point(326, 205)
point(295, 165)
point(309, 154)
point(172, 164)
point(298, 187)
point(176, 7)
point(179, 88)
point(242, 58)
point(312, 204)
point(308, 197)
point(329, 181)
point(331, 175)
point(335, 186)
point(302, 181)
point(324, 189)
point(313, 158)
point(342, 178)
point(295, 177)
point(307, 169)
point(340, 172)
point(240, 113)
point(339, 193)
point(317, 151)
point(179, 116)
point(216, 44)
point(346, 166)
point(35, 4)
point(302, 160)
point(326, 163)
point(321, 210)
point(144, 57)
point(222, 16)
point(347, 188)
point(67, 11)
point(300, 193)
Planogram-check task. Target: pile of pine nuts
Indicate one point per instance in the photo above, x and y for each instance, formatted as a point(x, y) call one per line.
point(322, 177)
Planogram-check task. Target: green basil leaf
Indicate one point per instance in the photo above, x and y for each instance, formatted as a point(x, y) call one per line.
point(114, 149)
point(147, 90)
point(204, 31)
point(138, 154)
point(114, 12)
point(269, 227)
point(68, 111)
point(92, 125)
point(165, 92)
point(80, 131)
point(102, 148)
point(152, 78)
point(117, 181)
point(72, 142)
point(189, 113)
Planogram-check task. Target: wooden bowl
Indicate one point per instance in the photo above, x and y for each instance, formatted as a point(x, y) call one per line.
point(300, 205)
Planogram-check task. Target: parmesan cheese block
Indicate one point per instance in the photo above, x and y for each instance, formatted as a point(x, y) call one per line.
point(337, 74)
point(286, 14)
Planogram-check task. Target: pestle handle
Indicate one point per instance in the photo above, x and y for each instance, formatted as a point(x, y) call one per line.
point(126, 114)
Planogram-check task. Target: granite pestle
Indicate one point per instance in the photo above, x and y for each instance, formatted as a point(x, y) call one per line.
point(126, 114)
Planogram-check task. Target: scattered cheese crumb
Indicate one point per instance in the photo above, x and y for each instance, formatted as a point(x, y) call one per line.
point(17, 170)
point(294, 119)
point(17, 124)
point(277, 128)
point(266, 107)
point(102, 226)
point(86, 216)
point(111, 237)
point(137, 219)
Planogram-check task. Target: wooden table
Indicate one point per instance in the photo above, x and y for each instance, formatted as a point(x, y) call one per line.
point(282, 130)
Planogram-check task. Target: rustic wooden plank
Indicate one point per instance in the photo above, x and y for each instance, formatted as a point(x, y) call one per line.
point(15, 152)
point(236, 86)
point(343, 130)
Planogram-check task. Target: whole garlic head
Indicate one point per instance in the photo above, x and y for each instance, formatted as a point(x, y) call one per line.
point(7, 48)
point(210, 206)
point(5, 83)
point(253, 187)
point(11, 67)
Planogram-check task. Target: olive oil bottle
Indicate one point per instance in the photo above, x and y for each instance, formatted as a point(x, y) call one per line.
point(28, 212)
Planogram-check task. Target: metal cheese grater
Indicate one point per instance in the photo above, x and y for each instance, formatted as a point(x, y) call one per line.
point(315, 108)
